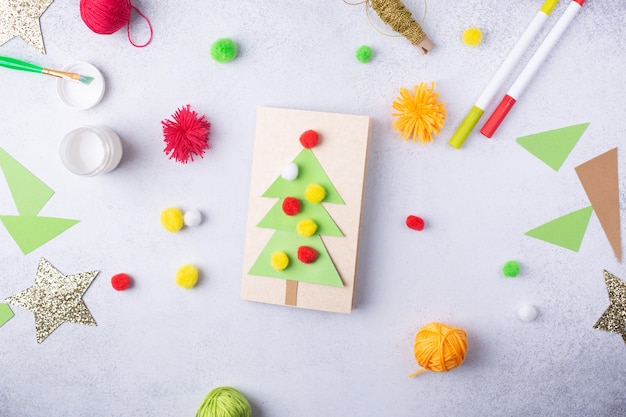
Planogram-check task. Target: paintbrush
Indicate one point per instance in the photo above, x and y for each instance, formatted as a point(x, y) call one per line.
point(16, 64)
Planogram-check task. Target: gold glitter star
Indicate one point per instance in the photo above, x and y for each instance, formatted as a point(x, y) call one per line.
point(55, 298)
point(614, 318)
point(21, 18)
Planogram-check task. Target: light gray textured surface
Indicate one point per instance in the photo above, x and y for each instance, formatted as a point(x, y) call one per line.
point(158, 349)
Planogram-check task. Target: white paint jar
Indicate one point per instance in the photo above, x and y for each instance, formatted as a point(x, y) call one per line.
point(91, 150)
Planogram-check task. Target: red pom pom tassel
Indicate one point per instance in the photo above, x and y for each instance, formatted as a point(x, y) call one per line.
point(186, 135)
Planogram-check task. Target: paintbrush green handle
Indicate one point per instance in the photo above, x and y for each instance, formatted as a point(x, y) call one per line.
point(16, 64)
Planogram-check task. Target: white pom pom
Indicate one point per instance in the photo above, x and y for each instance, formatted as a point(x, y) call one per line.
point(527, 312)
point(290, 171)
point(192, 218)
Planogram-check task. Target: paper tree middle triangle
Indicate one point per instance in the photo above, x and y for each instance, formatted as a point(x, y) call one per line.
point(30, 232)
point(566, 231)
point(553, 146)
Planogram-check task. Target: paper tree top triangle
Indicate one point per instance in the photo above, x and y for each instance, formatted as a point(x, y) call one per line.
point(309, 171)
point(30, 194)
point(553, 146)
point(601, 183)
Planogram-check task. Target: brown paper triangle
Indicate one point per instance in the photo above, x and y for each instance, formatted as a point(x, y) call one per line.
point(600, 180)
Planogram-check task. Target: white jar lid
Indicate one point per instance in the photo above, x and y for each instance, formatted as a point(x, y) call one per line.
point(78, 95)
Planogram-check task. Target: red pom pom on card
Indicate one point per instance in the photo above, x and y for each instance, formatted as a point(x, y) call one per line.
point(291, 206)
point(120, 282)
point(186, 135)
point(415, 223)
point(309, 139)
point(307, 254)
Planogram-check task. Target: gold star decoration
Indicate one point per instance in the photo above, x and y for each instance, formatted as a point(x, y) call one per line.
point(21, 18)
point(55, 298)
point(614, 317)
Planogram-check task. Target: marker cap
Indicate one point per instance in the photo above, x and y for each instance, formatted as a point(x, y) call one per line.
point(498, 116)
point(466, 127)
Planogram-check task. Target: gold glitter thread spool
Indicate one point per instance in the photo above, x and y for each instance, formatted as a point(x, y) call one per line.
point(400, 19)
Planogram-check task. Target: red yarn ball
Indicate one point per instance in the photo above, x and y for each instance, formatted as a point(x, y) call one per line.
point(307, 254)
point(120, 282)
point(105, 16)
point(309, 139)
point(291, 206)
point(415, 223)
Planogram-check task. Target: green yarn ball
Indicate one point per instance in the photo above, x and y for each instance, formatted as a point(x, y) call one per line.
point(224, 50)
point(511, 269)
point(364, 54)
point(224, 402)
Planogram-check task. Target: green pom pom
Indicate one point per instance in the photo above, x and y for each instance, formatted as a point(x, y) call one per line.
point(224, 50)
point(224, 402)
point(364, 54)
point(511, 269)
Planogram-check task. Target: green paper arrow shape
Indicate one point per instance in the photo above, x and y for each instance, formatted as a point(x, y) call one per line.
point(277, 219)
point(6, 313)
point(553, 146)
point(322, 271)
point(309, 171)
point(29, 193)
point(30, 232)
point(566, 231)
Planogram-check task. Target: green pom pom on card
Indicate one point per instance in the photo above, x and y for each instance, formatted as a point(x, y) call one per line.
point(224, 50)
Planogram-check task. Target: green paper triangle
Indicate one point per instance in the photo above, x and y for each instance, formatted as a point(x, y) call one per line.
point(566, 231)
point(277, 219)
point(553, 146)
point(322, 271)
point(30, 232)
point(29, 193)
point(6, 313)
point(309, 171)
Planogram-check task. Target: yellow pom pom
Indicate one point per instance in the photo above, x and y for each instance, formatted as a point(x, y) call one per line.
point(306, 227)
point(187, 276)
point(172, 219)
point(279, 260)
point(472, 37)
point(315, 193)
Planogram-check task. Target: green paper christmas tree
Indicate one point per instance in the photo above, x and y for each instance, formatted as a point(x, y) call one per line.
point(300, 202)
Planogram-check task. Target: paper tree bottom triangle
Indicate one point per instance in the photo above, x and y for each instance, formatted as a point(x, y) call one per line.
point(566, 231)
point(30, 232)
point(322, 271)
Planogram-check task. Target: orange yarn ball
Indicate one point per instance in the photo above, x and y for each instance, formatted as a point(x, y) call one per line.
point(439, 347)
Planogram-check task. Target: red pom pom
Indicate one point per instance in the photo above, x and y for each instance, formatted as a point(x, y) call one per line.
point(309, 139)
point(120, 282)
point(186, 135)
point(415, 223)
point(307, 254)
point(291, 206)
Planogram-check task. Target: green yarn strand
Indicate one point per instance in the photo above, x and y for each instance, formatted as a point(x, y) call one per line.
point(224, 402)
